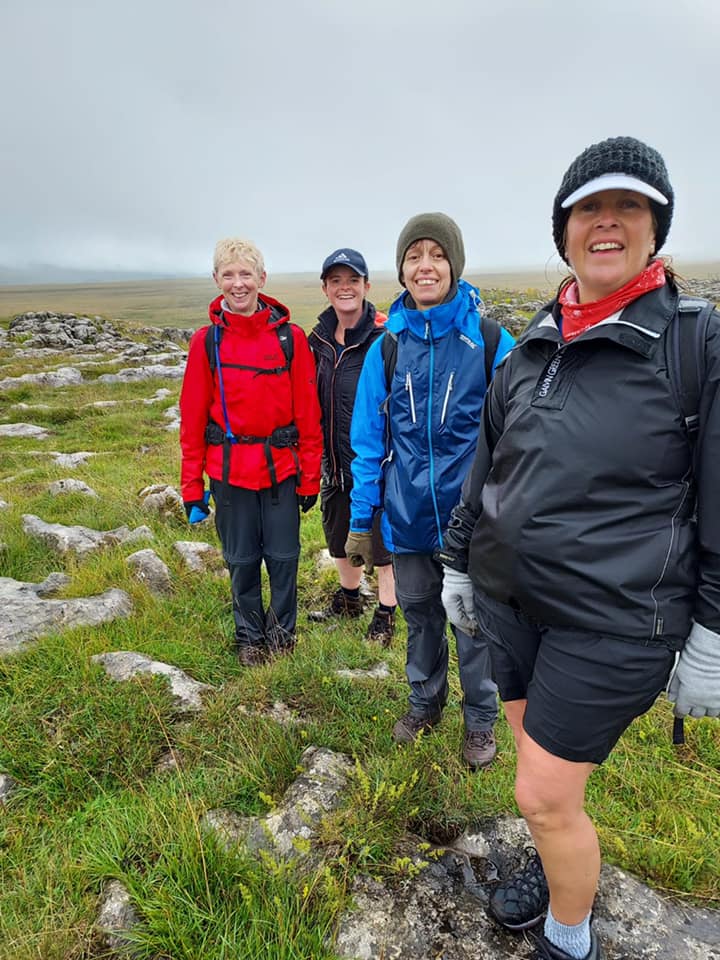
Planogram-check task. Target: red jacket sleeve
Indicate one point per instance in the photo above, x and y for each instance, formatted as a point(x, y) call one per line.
point(195, 399)
point(306, 413)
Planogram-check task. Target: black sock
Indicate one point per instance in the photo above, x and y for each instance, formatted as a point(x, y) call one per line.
point(351, 593)
point(384, 608)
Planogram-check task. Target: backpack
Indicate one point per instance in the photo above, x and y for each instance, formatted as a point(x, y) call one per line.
point(213, 336)
point(490, 331)
point(686, 361)
point(686, 372)
point(286, 436)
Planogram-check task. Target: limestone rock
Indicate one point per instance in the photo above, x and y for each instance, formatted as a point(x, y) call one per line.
point(7, 785)
point(4, 505)
point(150, 570)
point(200, 557)
point(380, 671)
point(162, 499)
point(124, 664)
point(313, 794)
point(72, 460)
point(135, 374)
point(116, 918)
point(62, 377)
point(81, 540)
point(441, 912)
point(27, 616)
point(22, 430)
point(69, 485)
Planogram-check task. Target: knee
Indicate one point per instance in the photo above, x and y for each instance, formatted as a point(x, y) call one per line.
point(545, 806)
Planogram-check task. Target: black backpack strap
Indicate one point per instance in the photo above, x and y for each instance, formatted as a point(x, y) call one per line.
point(686, 366)
point(210, 344)
point(389, 349)
point(491, 332)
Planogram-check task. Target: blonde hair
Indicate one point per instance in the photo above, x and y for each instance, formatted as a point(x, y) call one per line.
point(231, 249)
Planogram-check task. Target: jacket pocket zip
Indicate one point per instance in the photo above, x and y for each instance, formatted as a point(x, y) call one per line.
point(447, 397)
point(409, 388)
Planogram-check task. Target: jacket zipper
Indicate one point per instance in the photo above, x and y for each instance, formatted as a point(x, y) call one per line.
point(447, 398)
point(409, 388)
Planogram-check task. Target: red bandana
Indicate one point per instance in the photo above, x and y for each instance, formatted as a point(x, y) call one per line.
point(579, 317)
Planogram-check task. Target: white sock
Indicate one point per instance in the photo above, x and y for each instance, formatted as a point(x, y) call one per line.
point(574, 939)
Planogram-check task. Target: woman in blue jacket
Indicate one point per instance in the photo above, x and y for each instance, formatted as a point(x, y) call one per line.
point(414, 430)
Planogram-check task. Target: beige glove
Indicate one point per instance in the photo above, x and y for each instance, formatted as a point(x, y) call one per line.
point(359, 549)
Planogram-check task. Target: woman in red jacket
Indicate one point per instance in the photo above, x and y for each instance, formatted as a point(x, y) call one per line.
point(250, 420)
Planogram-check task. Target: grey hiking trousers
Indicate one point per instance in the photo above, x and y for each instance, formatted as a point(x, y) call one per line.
point(418, 584)
point(251, 529)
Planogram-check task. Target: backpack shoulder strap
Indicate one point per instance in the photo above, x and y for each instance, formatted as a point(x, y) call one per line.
point(210, 344)
point(287, 342)
point(284, 334)
point(389, 349)
point(491, 331)
point(686, 366)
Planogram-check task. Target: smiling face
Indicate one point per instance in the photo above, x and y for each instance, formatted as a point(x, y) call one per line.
point(426, 273)
point(239, 284)
point(610, 236)
point(346, 291)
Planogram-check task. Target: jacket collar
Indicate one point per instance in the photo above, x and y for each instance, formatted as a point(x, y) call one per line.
point(437, 321)
point(638, 327)
point(328, 321)
point(270, 313)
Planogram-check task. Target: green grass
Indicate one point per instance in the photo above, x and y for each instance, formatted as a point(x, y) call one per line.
point(91, 805)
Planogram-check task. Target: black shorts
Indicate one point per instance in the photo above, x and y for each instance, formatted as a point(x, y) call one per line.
point(583, 689)
point(335, 506)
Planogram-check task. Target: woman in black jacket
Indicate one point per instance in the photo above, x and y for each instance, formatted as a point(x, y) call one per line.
point(587, 526)
point(340, 341)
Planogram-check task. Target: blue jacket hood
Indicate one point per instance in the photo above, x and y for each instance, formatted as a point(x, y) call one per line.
point(460, 313)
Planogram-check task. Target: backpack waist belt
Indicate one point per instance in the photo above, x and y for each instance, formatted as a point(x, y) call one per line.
point(281, 438)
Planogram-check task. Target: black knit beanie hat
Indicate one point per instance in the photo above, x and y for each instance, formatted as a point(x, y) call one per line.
point(433, 226)
point(643, 168)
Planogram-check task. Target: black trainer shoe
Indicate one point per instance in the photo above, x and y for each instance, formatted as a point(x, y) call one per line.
point(544, 950)
point(382, 628)
point(411, 725)
point(479, 748)
point(252, 655)
point(521, 901)
point(341, 605)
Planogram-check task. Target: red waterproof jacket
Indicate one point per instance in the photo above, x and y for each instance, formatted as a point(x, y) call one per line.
point(256, 404)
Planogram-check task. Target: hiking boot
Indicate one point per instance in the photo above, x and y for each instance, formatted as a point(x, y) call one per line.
point(382, 628)
point(341, 605)
point(479, 748)
point(521, 901)
point(252, 655)
point(411, 725)
point(544, 950)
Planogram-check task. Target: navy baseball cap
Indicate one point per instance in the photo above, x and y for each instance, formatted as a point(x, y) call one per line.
point(345, 257)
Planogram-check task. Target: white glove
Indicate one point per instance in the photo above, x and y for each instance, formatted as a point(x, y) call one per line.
point(457, 598)
point(694, 685)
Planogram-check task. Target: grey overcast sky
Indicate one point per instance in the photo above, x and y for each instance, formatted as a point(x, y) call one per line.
point(136, 133)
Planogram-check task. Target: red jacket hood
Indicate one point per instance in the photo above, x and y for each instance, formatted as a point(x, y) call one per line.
point(271, 313)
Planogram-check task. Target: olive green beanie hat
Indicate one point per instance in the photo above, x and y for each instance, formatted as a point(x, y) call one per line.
point(433, 226)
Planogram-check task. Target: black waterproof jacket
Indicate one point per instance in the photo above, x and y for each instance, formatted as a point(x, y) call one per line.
point(337, 380)
point(582, 495)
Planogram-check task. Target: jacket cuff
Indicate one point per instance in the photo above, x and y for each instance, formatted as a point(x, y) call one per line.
point(360, 525)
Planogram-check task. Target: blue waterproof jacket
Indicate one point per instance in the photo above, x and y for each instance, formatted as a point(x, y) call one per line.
point(414, 439)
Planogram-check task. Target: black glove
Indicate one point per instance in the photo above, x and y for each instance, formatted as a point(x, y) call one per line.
point(307, 501)
point(197, 510)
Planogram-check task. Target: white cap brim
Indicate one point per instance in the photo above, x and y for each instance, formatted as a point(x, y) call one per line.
point(614, 181)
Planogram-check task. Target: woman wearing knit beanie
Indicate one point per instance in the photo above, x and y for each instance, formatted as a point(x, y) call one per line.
point(414, 429)
point(577, 523)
